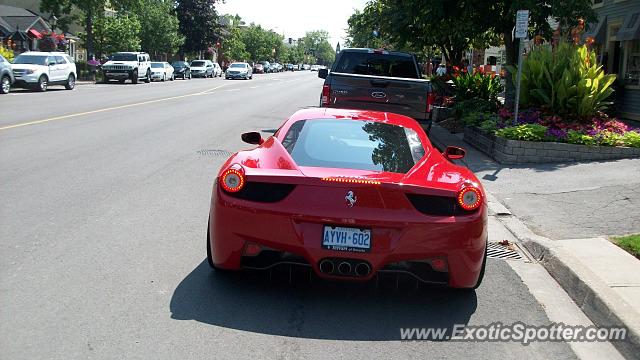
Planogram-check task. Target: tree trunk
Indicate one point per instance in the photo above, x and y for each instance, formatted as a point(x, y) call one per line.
point(512, 59)
point(89, 30)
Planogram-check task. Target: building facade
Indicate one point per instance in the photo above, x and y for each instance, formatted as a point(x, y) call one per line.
point(616, 38)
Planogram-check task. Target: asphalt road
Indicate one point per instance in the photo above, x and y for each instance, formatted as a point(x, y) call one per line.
point(105, 196)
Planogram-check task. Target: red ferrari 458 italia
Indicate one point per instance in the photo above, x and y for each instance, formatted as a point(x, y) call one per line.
point(351, 194)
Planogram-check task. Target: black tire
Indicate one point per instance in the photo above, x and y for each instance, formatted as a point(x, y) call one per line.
point(5, 85)
point(163, 77)
point(147, 79)
point(134, 76)
point(71, 82)
point(43, 83)
point(173, 77)
point(251, 77)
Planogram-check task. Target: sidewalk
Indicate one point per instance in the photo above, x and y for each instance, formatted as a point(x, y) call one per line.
point(602, 279)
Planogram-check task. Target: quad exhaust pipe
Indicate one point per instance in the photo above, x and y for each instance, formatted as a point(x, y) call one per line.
point(344, 268)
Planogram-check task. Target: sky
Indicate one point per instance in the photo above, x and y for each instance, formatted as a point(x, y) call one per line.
point(294, 18)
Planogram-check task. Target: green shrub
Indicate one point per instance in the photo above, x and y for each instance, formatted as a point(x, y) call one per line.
point(631, 139)
point(567, 80)
point(527, 132)
point(462, 108)
point(477, 86)
point(489, 125)
point(6, 53)
point(609, 138)
point(580, 138)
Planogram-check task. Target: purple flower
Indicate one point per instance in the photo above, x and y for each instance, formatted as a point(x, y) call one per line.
point(558, 134)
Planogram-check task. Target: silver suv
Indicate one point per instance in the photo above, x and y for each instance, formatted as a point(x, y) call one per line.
point(127, 66)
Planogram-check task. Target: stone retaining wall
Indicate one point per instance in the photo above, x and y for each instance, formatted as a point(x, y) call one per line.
point(525, 152)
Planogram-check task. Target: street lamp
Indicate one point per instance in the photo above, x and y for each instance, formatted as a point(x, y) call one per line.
point(53, 20)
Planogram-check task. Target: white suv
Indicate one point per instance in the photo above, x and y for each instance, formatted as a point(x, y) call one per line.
point(127, 65)
point(38, 70)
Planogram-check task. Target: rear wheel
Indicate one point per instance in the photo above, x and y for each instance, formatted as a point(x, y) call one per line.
point(147, 79)
point(5, 85)
point(71, 82)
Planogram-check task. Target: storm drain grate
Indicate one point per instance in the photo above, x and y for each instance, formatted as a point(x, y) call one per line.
point(213, 153)
point(506, 252)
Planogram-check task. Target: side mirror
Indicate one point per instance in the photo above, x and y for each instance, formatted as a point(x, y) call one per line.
point(454, 153)
point(252, 137)
point(322, 73)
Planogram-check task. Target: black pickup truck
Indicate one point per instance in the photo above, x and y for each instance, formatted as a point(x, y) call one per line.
point(378, 80)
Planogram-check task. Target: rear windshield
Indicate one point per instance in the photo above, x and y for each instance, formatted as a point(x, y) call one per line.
point(197, 63)
point(353, 144)
point(364, 63)
point(124, 57)
point(179, 64)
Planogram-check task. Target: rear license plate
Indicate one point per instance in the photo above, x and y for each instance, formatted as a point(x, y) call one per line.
point(346, 239)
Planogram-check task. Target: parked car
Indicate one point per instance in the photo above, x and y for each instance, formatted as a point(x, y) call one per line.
point(239, 70)
point(411, 211)
point(181, 69)
point(202, 68)
point(377, 80)
point(161, 71)
point(315, 67)
point(6, 76)
point(217, 70)
point(289, 67)
point(258, 69)
point(266, 65)
point(39, 70)
point(124, 66)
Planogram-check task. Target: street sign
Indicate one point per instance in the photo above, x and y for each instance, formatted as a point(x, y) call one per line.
point(522, 24)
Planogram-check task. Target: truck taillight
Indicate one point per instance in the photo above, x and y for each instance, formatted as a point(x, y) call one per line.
point(431, 99)
point(326, 91)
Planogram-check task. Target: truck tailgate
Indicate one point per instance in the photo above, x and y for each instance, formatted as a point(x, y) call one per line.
point(397, 95)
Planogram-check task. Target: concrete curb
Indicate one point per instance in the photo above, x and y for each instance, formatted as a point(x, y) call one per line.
point(601, 304)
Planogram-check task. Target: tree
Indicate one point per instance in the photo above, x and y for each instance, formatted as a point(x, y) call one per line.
point(316, 44)
point(159, 32)
point(233, 49)
point(117, 33)
point(89, 9)
point(198, 23)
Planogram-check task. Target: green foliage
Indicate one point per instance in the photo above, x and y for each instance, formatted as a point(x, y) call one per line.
point(580, 138)
point(261, 44)
point(527, 132)
point(160, 31)
point(478, 85)
point(630, 243)
point(461, 108)
point(476, 118)
point(631, 139)
point(198, 23)
point(6, 53)
point(316, 45)
point(490, 125)
point(567, 81)
point(116, 33)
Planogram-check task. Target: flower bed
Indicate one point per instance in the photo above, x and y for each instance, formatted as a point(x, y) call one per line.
point(506, 151)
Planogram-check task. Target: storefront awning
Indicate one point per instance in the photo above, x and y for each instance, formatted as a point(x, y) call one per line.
point(630, 30)
point(35, 33)
point(598, 31)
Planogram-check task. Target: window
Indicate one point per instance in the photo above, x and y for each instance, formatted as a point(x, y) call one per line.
point(365, 63)
point(353, 144)
point(124, 57)
point(632, 73)
point(60, 60)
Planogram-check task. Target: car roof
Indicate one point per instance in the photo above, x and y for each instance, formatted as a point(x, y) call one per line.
point(130, 52)
point(370, 50)
point(44, 53)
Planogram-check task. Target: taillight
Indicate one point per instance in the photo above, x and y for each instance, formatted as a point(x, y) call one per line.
point(232, 180)
point(431, 99)
point(326, 90)
point(470, 198)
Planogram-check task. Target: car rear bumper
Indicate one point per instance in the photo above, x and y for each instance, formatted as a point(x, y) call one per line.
point(400, 245)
